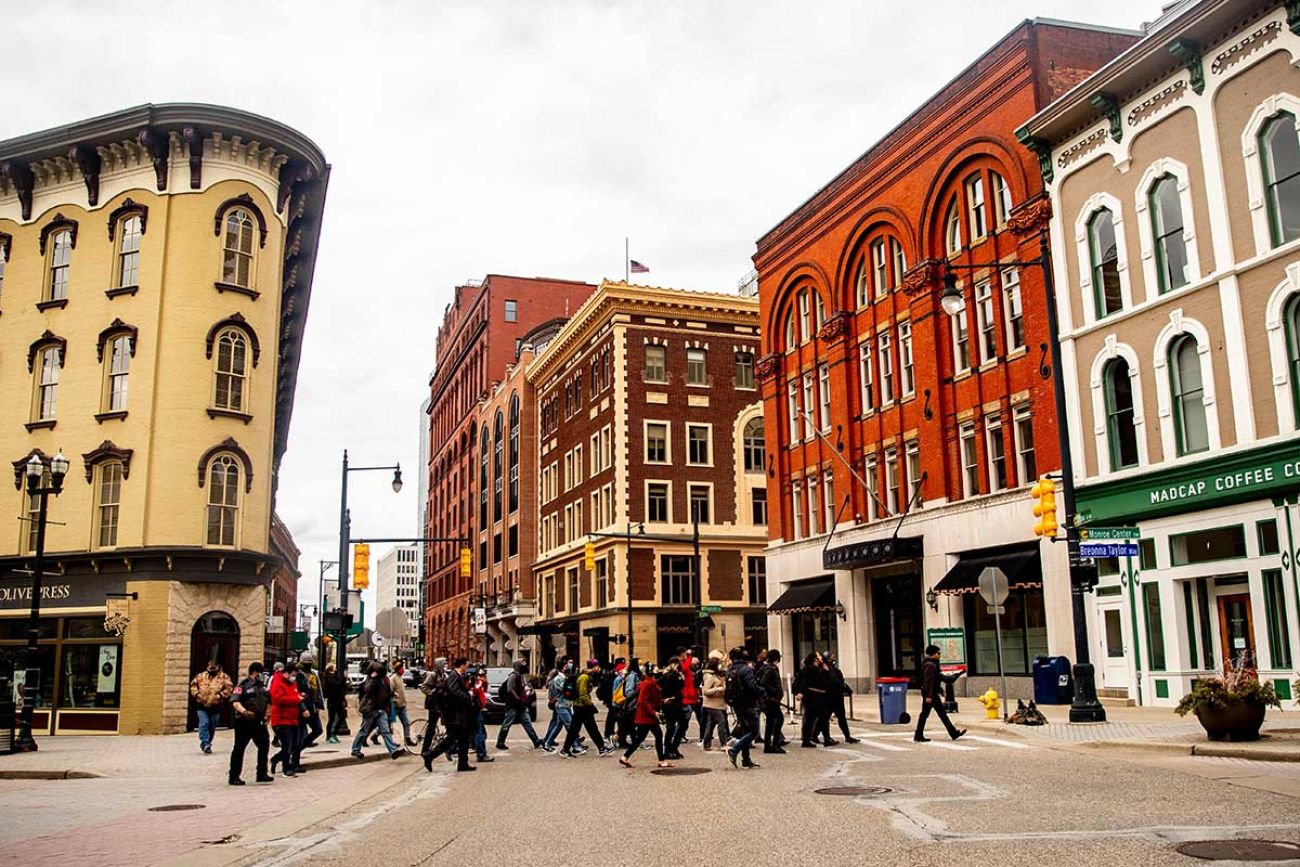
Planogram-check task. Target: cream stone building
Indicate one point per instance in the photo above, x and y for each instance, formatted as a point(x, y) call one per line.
point(155, 270)
point(1174, 173)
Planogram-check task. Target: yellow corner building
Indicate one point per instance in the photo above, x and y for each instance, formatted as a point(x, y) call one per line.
point(155, 270)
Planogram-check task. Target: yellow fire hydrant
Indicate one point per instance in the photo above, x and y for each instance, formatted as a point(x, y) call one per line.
point(992, 705)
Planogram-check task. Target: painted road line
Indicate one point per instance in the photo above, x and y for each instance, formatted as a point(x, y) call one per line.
point(947, 745)
point(996, 742)
point(876, 743)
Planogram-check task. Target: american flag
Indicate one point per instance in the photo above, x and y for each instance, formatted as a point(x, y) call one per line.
point(637, 268)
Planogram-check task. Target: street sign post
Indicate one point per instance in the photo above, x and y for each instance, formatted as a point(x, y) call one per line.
point(710, 609)
point(1098, 534)
point(994, 588)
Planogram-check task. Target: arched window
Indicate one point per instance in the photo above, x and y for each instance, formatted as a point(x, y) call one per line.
point(117, 373)
point(484, 450)
point(976, 207)
point(1187, 392)
point(514, 452)
point(237, 260)
point(498, 432)
point(1121, 430)
point(805, 316)
point(1167, 228)
point(860, 285)
point(1105, 263)
point(108, 498)
point(952, 228)
point(1291, 319)
point(60, 260)
point(128, 252)
point(1001, 199)
point(755, 445)
point(232, 370)
point(223, 500)
point(1280, 147)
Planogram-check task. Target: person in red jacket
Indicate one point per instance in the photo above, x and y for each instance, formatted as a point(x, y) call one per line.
point(286, 714)
point(649, 701)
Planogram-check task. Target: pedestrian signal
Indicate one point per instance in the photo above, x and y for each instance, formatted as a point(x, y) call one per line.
point(361, 566)
point(1044, 494)
point(466, 563)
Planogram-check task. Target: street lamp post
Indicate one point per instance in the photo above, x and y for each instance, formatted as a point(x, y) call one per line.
point(345, 522)
point(1085, 707)
point(36, 487)
point(320, 631)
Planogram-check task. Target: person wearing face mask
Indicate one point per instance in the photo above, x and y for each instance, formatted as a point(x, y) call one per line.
point(561, 707)
point(713, 689)
point(210, 689)
point(286, 715)
point(673, 682)
point(810, 691)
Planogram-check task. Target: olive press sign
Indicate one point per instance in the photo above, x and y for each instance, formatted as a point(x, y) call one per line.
point(23, 595)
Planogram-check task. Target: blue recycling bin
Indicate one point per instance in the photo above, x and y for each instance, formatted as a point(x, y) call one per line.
point(1053, 682)
point(892, 692)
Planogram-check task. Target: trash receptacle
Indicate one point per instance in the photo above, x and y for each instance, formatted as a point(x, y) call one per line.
point(893, 699)
point(1053, 683)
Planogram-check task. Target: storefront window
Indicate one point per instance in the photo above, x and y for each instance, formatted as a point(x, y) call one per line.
point(813, 632)
point(13, 664)
point(1024, 632)
point(90, 675)
point(1207, 546)
point(1155, 626)
point(1279, 635)
point(15, 628)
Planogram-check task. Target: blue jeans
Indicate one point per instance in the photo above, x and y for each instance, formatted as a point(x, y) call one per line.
point(376, 718)
point(521, 716)
point(480, 737)
point(207, 726)
point(747, 720)
point(399, 713)
point(560, 721)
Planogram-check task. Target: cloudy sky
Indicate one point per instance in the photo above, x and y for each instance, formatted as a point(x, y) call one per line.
point(523, 137)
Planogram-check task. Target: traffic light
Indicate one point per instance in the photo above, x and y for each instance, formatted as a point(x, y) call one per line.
point(466, 563)
point(361, 566)
point(1044, 494)
point(589, 557)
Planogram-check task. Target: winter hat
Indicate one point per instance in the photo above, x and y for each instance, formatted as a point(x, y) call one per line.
point(716, 654)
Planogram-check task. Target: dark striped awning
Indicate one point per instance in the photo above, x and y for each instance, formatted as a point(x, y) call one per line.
point(1021, 565)
point(806, 597)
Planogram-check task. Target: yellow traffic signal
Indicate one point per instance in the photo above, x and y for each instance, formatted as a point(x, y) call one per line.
point(466, 563)
point(1044, 494)
point(589, 557)
point(361, 566)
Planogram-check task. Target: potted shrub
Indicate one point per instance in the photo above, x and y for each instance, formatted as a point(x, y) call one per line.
point(1231, 707)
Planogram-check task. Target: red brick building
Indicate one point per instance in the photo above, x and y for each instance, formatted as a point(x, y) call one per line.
point(481, 333)
point(910, 432)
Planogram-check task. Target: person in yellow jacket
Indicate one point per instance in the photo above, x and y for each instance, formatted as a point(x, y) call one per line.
point(210, 689)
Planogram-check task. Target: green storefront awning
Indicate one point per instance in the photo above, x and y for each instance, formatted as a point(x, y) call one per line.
point(1271, 472)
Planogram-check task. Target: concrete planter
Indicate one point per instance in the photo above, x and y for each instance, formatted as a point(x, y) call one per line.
point(1239, 721)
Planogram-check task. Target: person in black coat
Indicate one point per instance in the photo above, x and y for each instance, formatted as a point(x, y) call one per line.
point(769, 677)
point(810, 691)
point(459, 714)
point(932, 697)
point(836, 690)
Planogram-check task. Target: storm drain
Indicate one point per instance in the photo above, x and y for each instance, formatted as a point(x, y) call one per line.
point(174, 808)
point(679, 772)
point(854, 791)
point(1241, 850)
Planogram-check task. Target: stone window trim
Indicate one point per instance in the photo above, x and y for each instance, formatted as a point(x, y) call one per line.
point(215, 412)
point(117, 328)
point(245, 201)
point(1082, 239)
point(59, 222)
point(1288, 414)
point(1146, 235)
point(1097, 385)
point(128, 208)
point(1177, 326)
point(1256, 196)
point(120, 291)
point(237, 321)
point(223, 287)
point(231, 447)
point(107, 451)
point(47, 339)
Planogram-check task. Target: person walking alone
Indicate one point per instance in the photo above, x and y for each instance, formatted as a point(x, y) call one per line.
point(584, 714)
point(744, 695)
point(713, 687)
point(286, 716)
point(645, 719)
point(769, 677)
point(932, 697)
point(210, 689)
point(518, 698)
point(250, 702)
point(458, 711)
point(334, 687)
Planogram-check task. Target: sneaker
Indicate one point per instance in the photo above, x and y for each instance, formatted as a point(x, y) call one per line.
point(544, 748)
point(606, 750)
point(565, 754)
point(397, 753)
point(624, 762)
point(207, 750)
point(265, 778)
point(751, 765)
point(832, 743)
point(485, 759)
point(502, 747)
point(807, 745)
point(731, 756)
point(235, 781)
point(357, 754)
point(466, 768)
point(922, 739)
point(852, 741)
point(959, 734)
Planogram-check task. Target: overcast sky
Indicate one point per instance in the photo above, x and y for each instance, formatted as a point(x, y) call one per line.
point(521, 138)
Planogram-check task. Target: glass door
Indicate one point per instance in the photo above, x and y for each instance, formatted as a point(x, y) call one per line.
point(1237, 629)
point(1115, 669)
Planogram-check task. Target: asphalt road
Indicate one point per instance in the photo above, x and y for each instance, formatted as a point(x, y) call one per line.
point(983, 800)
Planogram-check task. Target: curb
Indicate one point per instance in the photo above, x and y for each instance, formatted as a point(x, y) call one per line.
point(49, 775)
point(1228, 752)
point(347, 760)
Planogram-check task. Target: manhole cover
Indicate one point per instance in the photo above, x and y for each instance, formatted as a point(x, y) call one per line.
point(172, 808)
point(679, 772)
point(855, 791)
point(1241, 850)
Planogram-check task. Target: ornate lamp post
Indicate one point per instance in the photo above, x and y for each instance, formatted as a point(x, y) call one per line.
point(36, 487)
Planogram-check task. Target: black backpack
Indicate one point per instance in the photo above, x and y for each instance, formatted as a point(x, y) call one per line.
point(733, 691)
point(569, 690)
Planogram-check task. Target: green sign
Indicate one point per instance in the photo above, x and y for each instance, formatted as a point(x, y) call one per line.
point(710, 609)
point(1098, 534)
point(951, 643)
point(359, 624)
point(1273, 471)
point(299, 640)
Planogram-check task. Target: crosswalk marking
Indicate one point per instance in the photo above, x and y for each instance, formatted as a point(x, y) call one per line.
point(947, 745)
point(880, 745)
point(1001, 743)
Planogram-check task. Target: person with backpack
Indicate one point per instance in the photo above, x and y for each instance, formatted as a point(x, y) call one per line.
point(650, 700)
point(250, 701)
point(769, 677)
point(631, 685)
point(609, 685)
point(712, 688)
point(459, 709)
point(691, 679)
point(517, 695)
point(561, 707)
point(744, 694)
point(479, 689)
point(375, 697)
point(674, 712)
point(434, 688)
point(584, 712)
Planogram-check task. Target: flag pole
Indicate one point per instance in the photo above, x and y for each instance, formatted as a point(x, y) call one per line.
point(626, 261)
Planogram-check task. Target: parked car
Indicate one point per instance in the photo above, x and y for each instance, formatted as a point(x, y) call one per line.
point(495, 712)
point(355, 677)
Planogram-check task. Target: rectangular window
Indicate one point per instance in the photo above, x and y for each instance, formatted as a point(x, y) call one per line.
point(871, 477)
point(814, 506)
point(792, 402)
point(805, 321)
point(1026, 462)
point(1147, 554)
point(677, 578)
point(886, 368)
point(697, 368)
point(1279, 635)
point(656, 502)
point(988, 341)
point(1266, 532)
point(893, 504)
point(809, 431)
point(1203, 616)
point(700, 507)
point(906, 365)
point(595, 454)
point(110, 497)
point(970, 463)
point(828, 500)
point(656, 364)
point(698, 438)
point(867, 380)
point(900, 261)
point(879, 267)
point(912, 464)
point(1207, 546)
point(119, 369)
point(602, 582)
point(796, 513)
point(975, 203)
point(960, 342)
point(744, 370)
point(573, 589)
point(997, 456)
point(1024, 632)
point(759, 515)
point(513, 541)
point(496, 548)
point(1014, 308)
point(512, 310)
point(824, 396)
point(757, 574)
point(1155, 626)
point(656, 442)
